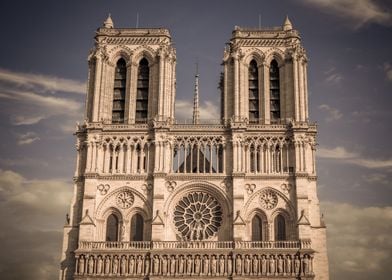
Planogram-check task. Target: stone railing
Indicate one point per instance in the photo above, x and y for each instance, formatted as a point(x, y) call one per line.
point(168, 259)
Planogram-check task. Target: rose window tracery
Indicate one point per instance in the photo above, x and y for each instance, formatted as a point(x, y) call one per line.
point(197, 216)
point(125, 199)
point(268, 199)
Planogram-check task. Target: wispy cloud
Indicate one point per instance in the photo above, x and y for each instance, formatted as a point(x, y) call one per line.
point(208, 110)
point(356, 12)
point(333, 77)
point(333, 113)
point(27, 138)
point(44, 83)
point(340, 153)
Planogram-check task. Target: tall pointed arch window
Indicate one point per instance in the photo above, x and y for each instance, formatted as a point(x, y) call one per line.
point(112, 228)
point(274, 91)
point(137, 227)
point(280, 228)
point(142, 91)
point(120, 81)
point(257, 228)
point(253, 83)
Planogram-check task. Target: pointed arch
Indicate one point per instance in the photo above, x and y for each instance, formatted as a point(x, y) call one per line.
point(137, 228)
point(143, 79)
point(112, 228)
point(274, 86)
point(280, 228)
point(120, 81)
point(253, 89)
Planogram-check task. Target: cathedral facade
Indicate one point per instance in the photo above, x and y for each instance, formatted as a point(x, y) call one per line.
point(158, 198)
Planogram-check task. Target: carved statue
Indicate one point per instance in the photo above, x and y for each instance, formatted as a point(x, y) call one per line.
point(181, 265)
point(247, 264)
point(255, 265)
point(164, 265)
point(147, 265)
point(90, 265)
point(206, 264)
point(280, 265)
point(272, 265)
point(288, 264)
point(297, 265)
point(213, 265)
point(238, 265)
point(132, 265)
point(305, 263)
point(263, 265)
point(229, 265)
point(99, 265)
point(197, 265)
point(115, 265)
point(172, 265)
point(222, 265)
point(156, 265)
point(107, 265)
point(189, 264)
point(197, 232)
point(81, 265)
point(67, 219)
point(123, 264)
point(139, 265)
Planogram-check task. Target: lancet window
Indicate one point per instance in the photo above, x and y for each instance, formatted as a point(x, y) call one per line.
point(137, 227)
point(253, 83)
point(142, 91)
point(274, 91)
point(120, 80)
point(112, 228)
point(280, 228)
point(257, 228)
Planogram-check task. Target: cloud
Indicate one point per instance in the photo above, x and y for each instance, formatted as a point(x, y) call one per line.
point(333, 77)
point(356, 12)
point(26, 120)
point(388, 71)
point(340, 153)
point(27, 138)
point(378, 178)
point(31, 217)
point(333, 113)
point(359, 243)
point(208, 110)
point(42, 82)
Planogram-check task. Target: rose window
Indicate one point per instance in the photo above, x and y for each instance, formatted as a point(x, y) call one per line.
point(125, 199)
point(197, 216)
point(268, 199)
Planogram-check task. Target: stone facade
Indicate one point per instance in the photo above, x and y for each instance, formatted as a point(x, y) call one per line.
point(233, 199)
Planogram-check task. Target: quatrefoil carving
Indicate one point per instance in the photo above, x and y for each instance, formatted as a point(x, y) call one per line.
point(170, 185)
point(250, 188)
point(103, 189)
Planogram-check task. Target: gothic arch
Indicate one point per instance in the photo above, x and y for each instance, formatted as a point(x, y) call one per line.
point(144, 52)
point(255, 54)
point(277, 54)
point(118, 52)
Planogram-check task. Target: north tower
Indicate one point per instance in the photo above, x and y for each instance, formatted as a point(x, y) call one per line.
point(157, 198)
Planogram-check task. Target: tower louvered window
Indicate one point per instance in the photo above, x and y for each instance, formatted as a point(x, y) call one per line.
point(120, 81)
point(274, 91)
point(142, 91)
point(253, 92)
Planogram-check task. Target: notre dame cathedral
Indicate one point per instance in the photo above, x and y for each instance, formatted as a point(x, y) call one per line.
point(158, 198)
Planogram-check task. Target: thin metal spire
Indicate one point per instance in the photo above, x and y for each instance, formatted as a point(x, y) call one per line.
point(259, 21)
point(196, 111)
point(137, 20)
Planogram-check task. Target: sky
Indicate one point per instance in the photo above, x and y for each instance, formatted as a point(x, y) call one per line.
point(43, 73)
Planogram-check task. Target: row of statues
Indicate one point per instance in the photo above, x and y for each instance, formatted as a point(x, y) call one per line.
point(195, 265)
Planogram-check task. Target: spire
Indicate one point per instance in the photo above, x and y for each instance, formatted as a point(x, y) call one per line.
point(196, 112)
point(287, 24)
point(108, 23)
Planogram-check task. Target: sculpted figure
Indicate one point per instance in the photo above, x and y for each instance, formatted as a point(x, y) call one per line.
point(229, 265)
point(263, 265)
point(115, 265)
point(297, 265)
point(156, 265)
point(213, 265)
point(99, 265)
point(181, 265)
point(280, 265)
point(123, 265)
point(139, 265)
point(107, 265)
point(164, 265)
point(305, 262)
point(197, 265)
point(132, 265)
point(172, 265)
point(189, 265)
point(255, 265)
point(247, 262)
point(81, 265)
point(272, 265)
point(222, 265)
point(238, 265)
point(288, 264)
point(91, 265)
point(206, 265)
point(147, 265)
